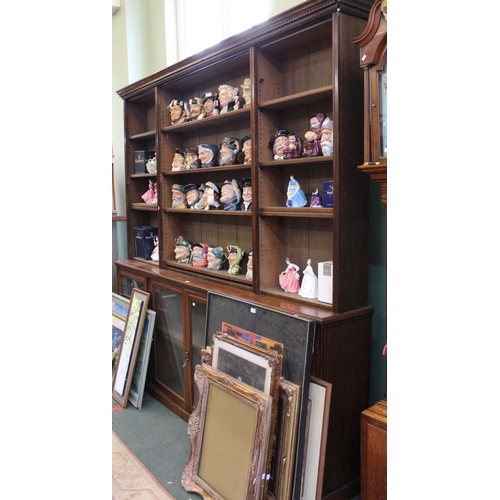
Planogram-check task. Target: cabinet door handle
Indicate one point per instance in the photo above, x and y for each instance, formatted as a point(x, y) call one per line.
point(186, 358)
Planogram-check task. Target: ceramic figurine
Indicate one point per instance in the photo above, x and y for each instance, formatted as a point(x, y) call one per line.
point(178, 112)
point(246, 149)
point(231, 195)
point(201, 203)
point(312, 144)
point(327, 137)
point(294, 148)
point(316, 200)
point(208, 155)
point(210, 105)
point(249, 274)
point(234, 256)
point(226, 98)
point(309, 287)
point(154, 254)
point(211, 196)
point(246, 188)
point(182, 250)
point(150, 195)
point(289, 278)
point(216, 258)
point(228, 151)
point(238, 101)
point(278, 143)
point(195, 108)
point(246, 96)
point(191, 161)
point(193, 194)
point(178, 196)
point(151, 165)
point(178, 160)
point(199, 254)
point(295, 196)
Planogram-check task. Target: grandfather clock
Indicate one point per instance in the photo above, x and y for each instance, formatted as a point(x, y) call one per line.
point(373, 60)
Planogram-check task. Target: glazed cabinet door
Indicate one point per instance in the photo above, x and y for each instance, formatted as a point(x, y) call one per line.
point(126, 282)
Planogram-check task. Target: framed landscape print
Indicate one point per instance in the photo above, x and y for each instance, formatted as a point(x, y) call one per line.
point(229, 432)
point(129, 348)
point(119, 316)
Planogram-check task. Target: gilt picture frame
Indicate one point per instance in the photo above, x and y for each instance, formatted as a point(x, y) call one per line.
point(229, 432)
point(130, 345)
point(120, 307)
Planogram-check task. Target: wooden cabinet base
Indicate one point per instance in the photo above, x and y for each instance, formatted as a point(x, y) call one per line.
point(374, 452)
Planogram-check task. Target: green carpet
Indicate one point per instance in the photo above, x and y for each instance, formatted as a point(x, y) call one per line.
point(158, 438)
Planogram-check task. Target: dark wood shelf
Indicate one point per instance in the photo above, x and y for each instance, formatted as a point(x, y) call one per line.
point(301, 98)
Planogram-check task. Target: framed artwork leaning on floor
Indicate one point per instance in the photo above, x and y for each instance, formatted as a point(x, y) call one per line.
point(120, 307)
point(129, 348)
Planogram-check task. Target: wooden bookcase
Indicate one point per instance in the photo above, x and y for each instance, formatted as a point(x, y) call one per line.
point(300, 62)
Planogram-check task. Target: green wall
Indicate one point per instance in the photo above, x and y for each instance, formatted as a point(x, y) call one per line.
point(141, 46)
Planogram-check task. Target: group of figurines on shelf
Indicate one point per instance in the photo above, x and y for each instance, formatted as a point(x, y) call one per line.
point(215, 258)
point(318, 141)
point(289, 280)
point(230, 151)
point(232, 195)
point(212, 258)
point(209, 104)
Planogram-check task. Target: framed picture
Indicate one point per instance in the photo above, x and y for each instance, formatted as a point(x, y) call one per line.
point(320, 393)
point(252, 338)
point(129, 348)
point(229, 431)
point(259, 368)
point(285, 442)
point(294, 332)
point(119, 316)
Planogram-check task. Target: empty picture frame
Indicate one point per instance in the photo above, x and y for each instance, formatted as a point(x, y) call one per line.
point(296, 333)
point(229, 432)
point(129, 349)
point(320, 393)
point(119, 315)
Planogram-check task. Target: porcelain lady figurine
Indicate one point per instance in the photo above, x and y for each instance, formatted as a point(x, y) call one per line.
point(309, 287)
point(289, 278)
point(316, 200)
point(182, 250)
point(150, 195)
point(199, 255)
point(234, 256)
point(295, 196)
point(216, 258)
point(231, 195)
point(249, 274)
point(155, 257)
point(151, 165)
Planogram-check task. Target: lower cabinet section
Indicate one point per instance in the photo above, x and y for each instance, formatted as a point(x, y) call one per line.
point(341, 356)
point(374, 452)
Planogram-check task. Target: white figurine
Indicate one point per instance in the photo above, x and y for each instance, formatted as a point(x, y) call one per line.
point(151, 165)
point(309, 287)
